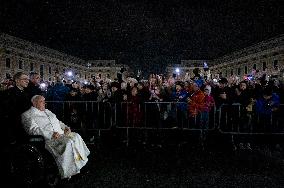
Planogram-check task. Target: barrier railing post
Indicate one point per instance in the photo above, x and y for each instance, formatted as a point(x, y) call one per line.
point(239, 113)
point(127, 136)
point(115, 114)
point(145, 115)
point(93, 122)
point(219, 118)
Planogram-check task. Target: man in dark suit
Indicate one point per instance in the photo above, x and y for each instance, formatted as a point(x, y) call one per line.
point(33, 86)
point(16, 101)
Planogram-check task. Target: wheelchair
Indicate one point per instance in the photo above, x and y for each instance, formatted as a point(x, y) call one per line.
point(30, 164)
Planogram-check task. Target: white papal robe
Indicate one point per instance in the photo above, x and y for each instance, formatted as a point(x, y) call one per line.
point(69, 151)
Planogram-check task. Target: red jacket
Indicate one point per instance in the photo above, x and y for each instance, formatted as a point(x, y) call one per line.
point(209, 102)
point(196, 103)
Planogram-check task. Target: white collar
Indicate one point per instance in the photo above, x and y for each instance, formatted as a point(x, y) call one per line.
point(38, 111)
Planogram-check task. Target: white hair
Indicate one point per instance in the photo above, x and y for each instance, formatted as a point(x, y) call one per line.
point(35, 98)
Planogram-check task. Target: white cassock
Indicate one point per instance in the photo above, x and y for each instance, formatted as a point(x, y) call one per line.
point(69, 151)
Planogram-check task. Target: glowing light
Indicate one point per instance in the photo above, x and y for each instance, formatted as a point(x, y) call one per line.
point(205, 65)
point(42, 85)
point(69, 73)
point(177, 70)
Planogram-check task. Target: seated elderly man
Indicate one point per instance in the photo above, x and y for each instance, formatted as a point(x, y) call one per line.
point(68, 148)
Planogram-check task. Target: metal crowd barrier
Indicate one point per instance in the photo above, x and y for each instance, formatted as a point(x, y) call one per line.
point(93, 115)
point(162, 115)
point(235, 119)
point(90, 115)
point(228, 119)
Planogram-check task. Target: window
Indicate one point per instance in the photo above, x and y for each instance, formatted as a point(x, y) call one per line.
point(263, 66)
point(49, 70)
point(232, 72)
point(254, 66)
point(31, 66)
point(8, 63)
point(239, 71)
point(275, 53)
point(275, 64)
point(8, 76)
point(41, 71)
point(20, 64)
point(246, 69)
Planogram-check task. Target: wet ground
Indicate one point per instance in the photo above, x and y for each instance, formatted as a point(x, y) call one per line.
point(187, 166)
point(172, 162)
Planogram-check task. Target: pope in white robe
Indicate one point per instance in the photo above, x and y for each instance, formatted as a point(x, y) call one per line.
point(68, 148)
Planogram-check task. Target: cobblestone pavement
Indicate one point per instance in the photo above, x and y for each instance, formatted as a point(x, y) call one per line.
point(160, 166)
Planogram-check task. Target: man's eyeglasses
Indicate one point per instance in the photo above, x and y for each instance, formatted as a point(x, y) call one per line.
point(24, 79)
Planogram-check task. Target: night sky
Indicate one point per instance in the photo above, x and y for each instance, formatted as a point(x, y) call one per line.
point(147, 34)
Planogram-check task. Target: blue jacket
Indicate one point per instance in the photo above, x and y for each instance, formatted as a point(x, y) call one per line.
point(180, 97)
point(265, 107)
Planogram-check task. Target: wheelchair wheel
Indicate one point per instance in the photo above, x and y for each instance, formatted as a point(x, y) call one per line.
point(27, 165)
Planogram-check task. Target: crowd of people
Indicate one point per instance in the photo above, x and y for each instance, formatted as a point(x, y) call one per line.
point(194, 96)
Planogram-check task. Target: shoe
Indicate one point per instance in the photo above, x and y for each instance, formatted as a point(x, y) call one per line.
point(248, 146)
point(241, 146)
point(92, 139)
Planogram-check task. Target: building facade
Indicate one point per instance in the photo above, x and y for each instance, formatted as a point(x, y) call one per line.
point(266, 56)
point(186, 67)
point(21, 55)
